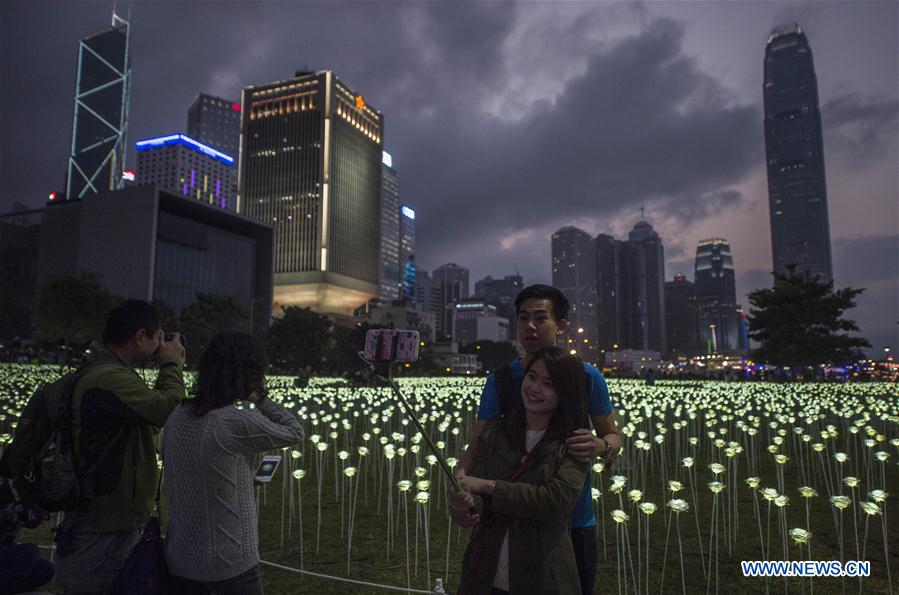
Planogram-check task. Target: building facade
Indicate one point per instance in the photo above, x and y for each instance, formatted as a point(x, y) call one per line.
point(175, 249)
point(100, 122)
point(475, 320)
point(501, 293)
point(407, 253)
point(390, 230)
point(716, 298)
point(310, 166)
point(574, 273)
point(794, 149)
point(680, 317)
point(215, 122)
point(451, 284)
point(181, 165)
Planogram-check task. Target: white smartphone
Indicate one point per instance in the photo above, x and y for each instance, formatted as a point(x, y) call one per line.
point(267, 468)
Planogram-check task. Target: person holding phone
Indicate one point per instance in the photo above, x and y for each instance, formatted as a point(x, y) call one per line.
point(522, 484)
point(208, 450)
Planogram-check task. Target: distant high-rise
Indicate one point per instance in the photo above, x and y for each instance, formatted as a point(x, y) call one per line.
point(407, 253)
point(451, 282)
point(716, 297)
point(100, 123)
point(181, 165)
point(310, 165)
point(574, 273)
point(797, 190)
point(630, 282)
point(680, 317)
point(645, 289)
point(215, 122)
point(390, 230)
point(501, 293)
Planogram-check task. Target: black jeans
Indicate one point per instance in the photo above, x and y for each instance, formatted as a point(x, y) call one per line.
point(248, 583)
point(584, 541)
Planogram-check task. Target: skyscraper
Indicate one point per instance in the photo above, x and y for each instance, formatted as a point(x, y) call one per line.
point(390, 230)
point(407, 253)
point(100, 123)
point(797, 191)
point(716, 297)
point(215, 122)
point(310, 165)
point(645, 289)
point(501, 293)
point(451, 282)
point(680, 314)
point(630, 286)
point(181, 165)
point(574, 272)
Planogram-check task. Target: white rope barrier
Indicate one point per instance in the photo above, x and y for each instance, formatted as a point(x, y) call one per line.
point(333, 578)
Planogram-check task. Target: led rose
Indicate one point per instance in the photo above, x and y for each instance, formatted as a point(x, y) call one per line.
point(781, 459)
point(807, 492)
point(881, 456)
point(675, 486)
point(753, 482)
point(363, 451)
point(840, 502)
point(870, 508)
point(800, 536)
point(619, 516)
point(343, 455)
point(598, 467)
point(314, 439)
point(349, 471)
point(647, 508)
point(322, 446)
point(595, 494)
point(769, 494)
point(693, 440)
point(817, 447)
point(635, 496)
point(772, 448)
point(299, 474)
point(420, 472)
point(781, 501)
point(878, 495)
point(295, 454)
point(404, 485)
point(716, 486)
point(716, 468)
point(423, 485)
point(840, 457)
point(678, 505)
point(687, 462)
point(850, 481)
point(422, 497)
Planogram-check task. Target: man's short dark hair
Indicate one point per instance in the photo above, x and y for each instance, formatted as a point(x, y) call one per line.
point(545, 292)
point(126, 319)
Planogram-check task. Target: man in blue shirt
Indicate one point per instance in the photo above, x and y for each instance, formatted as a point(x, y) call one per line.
point(542, 313)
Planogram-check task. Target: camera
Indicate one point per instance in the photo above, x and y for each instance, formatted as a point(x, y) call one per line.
point(169, 336)
point(388, 345)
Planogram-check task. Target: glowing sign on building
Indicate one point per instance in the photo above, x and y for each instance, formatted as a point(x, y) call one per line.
point(182, 139)
point(360, 103)
point(408, 212)
point(128, 175)
point(386, 159)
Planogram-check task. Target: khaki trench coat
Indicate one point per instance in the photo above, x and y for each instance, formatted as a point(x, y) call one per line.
point(534, 508)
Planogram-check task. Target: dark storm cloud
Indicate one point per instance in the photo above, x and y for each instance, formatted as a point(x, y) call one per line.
point(859, 128)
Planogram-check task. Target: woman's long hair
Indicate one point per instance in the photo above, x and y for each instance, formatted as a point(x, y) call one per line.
point(569, 379)
point(231, 367)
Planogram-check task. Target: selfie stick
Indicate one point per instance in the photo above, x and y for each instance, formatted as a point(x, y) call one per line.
point(383, 370)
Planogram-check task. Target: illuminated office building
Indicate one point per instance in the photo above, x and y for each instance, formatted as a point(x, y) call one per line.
point(215, 122)
point(310, 165)
point(680, 315)
point(574, 272)
point(390, 230)
point(181, 165)
point(797, 189)
point(100, 122)
point(407, 253)
point(719, 322)
point(501, 293)
point(450, 281)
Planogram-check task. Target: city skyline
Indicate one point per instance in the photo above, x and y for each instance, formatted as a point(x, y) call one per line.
point(571, 119)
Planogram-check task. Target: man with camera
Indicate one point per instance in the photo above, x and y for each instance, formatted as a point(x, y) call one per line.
point(116, 418)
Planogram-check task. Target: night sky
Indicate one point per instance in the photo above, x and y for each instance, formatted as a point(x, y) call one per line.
point(507, 121)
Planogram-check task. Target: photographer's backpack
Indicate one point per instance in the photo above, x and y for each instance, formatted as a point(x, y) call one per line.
point(39, 459)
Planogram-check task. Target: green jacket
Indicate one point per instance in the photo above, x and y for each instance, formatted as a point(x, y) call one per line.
point(534, 508)
point(112, 406)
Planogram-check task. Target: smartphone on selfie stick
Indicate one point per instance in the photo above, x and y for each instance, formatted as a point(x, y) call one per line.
point(383, 348)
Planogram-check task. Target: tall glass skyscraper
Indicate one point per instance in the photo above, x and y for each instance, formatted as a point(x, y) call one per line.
point(574, 272)
point(310, 165)
point(797, 190)
point(716, 297)
point(451, 282)
point(215, 122)
point(100, 123)
point(390, 230)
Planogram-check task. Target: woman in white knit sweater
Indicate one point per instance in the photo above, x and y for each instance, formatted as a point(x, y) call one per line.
point(208, 450)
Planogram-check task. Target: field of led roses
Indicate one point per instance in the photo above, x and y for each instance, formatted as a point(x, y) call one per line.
point(711, 474)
